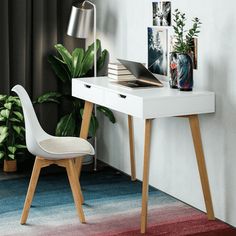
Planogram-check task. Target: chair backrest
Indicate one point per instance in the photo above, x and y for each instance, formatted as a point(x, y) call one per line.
point(34, 132)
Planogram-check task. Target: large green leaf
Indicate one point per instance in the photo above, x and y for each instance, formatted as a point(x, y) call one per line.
point(59, 69)
point(5, 113)
point(12, 149)
point(14, 99)
point(49, 97)
point(3, 97)
point(20, 146)
point(12, 156)
point(8, 105)
point(93, 126)
point(17, 129)
point(77, 58)
point(66, 125)
point(66, 56)
point(2, 154)
point(3, 129)
point(108, 113)
point(88, 61)
point(3, 137)
point(15, 120)
point(103, 60)
point(19, 115)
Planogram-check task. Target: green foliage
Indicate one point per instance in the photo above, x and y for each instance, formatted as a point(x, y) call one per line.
point(12, 132)
point(66, 125)
point(184, 38)
point(59, 68)
point(108, 113)
point(49, 97)
point(66, 66)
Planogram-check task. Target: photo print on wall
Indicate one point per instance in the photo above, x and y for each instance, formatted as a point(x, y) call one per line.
point(157, 51)
point(161, 13)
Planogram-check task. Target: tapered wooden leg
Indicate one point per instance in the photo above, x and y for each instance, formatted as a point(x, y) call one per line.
point(79, 187)
point(196, 135)
point(31, 189)
point(145, 175)
point(131, 146)
point(75, 187)
point(88, 107)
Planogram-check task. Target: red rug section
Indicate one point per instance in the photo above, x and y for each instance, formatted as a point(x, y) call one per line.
point(184, 228)
point(167, 221)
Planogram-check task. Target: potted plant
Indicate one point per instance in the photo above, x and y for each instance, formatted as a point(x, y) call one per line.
point(12, 132)
point(181, 59)
point(66, 66)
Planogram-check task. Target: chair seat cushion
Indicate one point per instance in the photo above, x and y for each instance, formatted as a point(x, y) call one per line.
point(67, 146)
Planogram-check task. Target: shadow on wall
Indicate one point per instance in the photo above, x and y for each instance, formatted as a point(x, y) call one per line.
point(107, 19)
point(222, 83)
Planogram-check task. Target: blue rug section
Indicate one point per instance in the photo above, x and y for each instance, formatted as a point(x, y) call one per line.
point(54, 189)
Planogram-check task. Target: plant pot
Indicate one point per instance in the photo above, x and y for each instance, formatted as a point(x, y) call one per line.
point(173, 70)
point(185, 72)
point(9, 166)
point(88, 159)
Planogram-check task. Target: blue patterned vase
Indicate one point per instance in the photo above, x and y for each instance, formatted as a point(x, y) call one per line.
point(185, 72)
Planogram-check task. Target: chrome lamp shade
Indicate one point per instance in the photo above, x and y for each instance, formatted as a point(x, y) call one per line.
point(80, 22)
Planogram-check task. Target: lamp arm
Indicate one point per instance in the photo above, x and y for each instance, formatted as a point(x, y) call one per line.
point(95, 69)
point(94, 35)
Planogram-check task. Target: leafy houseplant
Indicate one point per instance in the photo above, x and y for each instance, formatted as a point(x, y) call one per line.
point(67, 66)
point(184, 39)
point(181, 61)
point(12, 132)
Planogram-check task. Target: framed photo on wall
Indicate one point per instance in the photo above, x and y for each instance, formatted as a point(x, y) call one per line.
point(161, 13)
point(158, 50)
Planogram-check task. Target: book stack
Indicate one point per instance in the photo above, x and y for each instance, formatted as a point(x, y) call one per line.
point(117, 71)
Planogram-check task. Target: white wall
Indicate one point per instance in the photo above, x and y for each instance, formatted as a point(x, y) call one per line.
point(122, 26)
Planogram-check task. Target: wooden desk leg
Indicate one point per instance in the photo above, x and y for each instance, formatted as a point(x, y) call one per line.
point(145, 175)
point(196, 134)
point(88, 107)
point(131, 147)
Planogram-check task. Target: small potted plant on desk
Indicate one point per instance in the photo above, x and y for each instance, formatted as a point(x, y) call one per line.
point(181, 59)
point(12, 132)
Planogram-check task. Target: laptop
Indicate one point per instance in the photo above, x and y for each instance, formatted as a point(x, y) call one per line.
point(144, 78)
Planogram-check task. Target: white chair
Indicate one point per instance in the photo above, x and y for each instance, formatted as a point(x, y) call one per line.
point(49, 150)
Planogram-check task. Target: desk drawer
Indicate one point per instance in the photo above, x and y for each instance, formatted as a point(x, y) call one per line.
point(87, 92)
point(128, 104)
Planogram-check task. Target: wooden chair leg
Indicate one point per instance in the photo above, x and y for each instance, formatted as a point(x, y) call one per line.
point(75, 187)
point(76, 171)
point(196, 135)
point(131, 146)
point(145, 175)
point(31, 189)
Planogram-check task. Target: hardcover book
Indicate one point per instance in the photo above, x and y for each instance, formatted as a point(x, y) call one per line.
point(116, 66)
point(119, 72)
point(121, 77)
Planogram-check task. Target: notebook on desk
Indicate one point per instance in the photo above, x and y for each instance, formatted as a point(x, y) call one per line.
point(144, 78)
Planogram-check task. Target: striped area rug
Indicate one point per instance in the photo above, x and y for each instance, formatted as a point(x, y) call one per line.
point(112, 207)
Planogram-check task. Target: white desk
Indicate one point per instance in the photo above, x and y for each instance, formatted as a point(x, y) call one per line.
point(148, 104)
